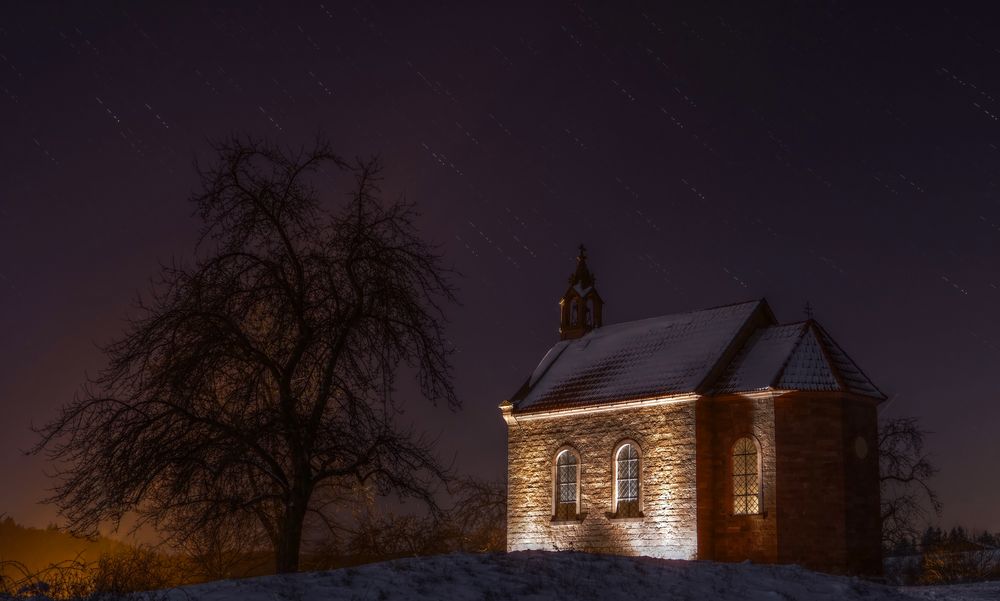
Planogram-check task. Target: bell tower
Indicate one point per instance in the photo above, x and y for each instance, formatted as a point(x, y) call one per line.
point(581, 308)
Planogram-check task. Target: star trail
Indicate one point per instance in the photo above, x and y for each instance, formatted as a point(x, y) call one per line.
point(837, 154)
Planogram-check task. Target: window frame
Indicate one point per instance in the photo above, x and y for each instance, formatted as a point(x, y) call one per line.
point(555, 483)
point(759, 474)
point(614, 478)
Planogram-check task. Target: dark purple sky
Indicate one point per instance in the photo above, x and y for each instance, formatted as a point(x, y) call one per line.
point(844, 155)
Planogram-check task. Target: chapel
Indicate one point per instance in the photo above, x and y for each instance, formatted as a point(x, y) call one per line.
point(718, 434)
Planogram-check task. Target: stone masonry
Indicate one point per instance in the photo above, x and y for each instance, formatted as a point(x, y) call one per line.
point(665, 435)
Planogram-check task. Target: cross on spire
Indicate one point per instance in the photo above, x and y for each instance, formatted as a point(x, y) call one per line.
point(581, 308)
point(582, 277)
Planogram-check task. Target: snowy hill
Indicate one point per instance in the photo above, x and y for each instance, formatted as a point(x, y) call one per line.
point(543, 576)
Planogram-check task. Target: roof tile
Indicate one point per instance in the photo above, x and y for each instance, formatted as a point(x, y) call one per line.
point(661, 356)
point(676, 354)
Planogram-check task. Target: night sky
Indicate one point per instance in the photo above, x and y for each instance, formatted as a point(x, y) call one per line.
point(844, 155)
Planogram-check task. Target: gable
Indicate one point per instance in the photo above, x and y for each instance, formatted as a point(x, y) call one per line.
point(799, 356)
point(806, 368)
point(849, 374)
point(649, 358)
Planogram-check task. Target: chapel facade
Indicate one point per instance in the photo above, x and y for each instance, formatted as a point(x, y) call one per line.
point(717, 434)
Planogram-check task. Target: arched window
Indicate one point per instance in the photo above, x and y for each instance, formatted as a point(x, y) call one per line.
point(627, 481)
point(746, 477)
point(567, 485)
point(573, 313)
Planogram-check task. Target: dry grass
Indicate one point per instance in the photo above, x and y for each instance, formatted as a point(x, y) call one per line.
point(113, 576)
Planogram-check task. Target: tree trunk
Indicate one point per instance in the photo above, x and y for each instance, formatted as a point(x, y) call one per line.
point(290, 536)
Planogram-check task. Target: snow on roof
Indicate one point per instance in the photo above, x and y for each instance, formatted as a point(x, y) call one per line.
point(807, 368)
point(799, 356)
point(677, 354)
point(851, 376)
point(760, 360)
point(661, 356)
point(546, 361)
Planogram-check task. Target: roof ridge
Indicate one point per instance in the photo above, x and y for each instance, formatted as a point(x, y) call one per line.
point(677, 314)
point(826, 335)
point(724, 306)
point(791, 353)
point(839, 377)
point(550, 364)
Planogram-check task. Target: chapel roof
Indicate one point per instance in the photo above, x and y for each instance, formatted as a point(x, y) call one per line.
point(799, 356)
point(722, 350)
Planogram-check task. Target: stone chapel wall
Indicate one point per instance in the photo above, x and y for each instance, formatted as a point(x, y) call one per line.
point(665, 435)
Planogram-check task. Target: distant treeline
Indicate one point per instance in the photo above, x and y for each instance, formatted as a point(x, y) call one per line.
point(38, 548)
point(944, 556)
point(935, 539)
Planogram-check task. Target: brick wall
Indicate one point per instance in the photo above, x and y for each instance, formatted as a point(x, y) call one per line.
point(811, 527)
point(724, 536)
point(665, 435)
point(827, 495)
point(861, 482)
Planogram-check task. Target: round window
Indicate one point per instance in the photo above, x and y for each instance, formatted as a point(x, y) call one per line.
point(860, 447)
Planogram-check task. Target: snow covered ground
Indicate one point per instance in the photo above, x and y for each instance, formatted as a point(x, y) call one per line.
point(977, 591)
point(543, 576)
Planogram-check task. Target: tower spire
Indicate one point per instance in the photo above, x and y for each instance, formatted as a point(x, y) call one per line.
point(581, 308)
point(582, 275)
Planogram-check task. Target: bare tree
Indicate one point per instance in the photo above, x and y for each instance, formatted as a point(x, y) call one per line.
point(475, 521)
point(381, 536)
point(264, 372)
point(479, 516)
point(905, 474)
point(224, 550)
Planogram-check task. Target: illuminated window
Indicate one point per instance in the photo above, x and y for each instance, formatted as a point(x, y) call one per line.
point(567, 485)
point(627, 481)
point(746, 477)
